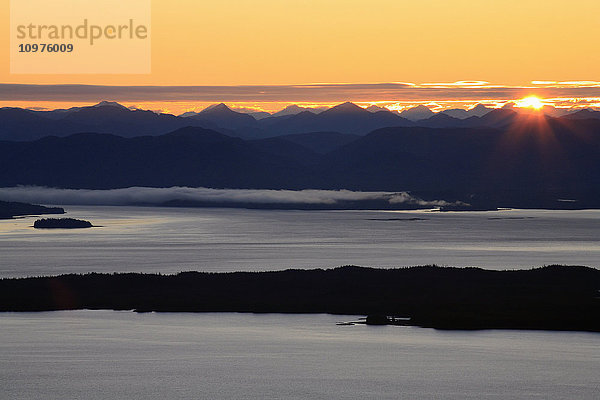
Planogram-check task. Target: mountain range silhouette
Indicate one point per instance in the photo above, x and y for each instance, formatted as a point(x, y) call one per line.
point(501, 159)
point(348, 118)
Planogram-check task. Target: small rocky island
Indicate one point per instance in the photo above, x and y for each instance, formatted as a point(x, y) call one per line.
point(61, 223)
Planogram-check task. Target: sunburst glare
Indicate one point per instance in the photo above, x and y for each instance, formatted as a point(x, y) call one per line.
point(530, 102)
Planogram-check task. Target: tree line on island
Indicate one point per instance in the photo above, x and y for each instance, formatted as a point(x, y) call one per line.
point(553, 297)
point(61, 223)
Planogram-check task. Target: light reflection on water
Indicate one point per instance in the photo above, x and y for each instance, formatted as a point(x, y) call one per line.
point(170, 240)
point(109, 355)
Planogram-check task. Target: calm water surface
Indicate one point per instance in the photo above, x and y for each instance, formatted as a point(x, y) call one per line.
point(122, 355)
point(113, 355)
point(169, 240)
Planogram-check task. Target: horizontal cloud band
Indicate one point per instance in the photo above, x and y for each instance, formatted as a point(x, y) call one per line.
point(156, 196)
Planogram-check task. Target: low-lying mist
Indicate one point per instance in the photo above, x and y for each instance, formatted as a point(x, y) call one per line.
point(160, 196)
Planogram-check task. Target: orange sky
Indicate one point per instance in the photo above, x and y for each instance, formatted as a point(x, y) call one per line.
point(284, 42)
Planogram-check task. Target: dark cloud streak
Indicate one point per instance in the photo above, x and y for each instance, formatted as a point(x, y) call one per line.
point(280, 93)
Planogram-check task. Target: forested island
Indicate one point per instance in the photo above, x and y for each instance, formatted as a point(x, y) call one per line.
point(10, 209)
point(552, 297)
point(61, 223)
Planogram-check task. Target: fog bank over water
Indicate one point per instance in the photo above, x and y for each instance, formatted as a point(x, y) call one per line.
point(157, 196)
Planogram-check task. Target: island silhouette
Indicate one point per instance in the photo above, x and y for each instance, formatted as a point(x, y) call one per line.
point(552, 297)
point(61, 223)
point(11, 209)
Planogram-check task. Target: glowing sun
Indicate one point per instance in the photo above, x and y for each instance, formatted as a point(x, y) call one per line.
point(530, 102)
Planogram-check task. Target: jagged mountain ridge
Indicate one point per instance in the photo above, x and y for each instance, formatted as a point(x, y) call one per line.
point(346, 118)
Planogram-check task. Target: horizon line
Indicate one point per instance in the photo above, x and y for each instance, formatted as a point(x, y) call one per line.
point(271, 98)
point(434, 107)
